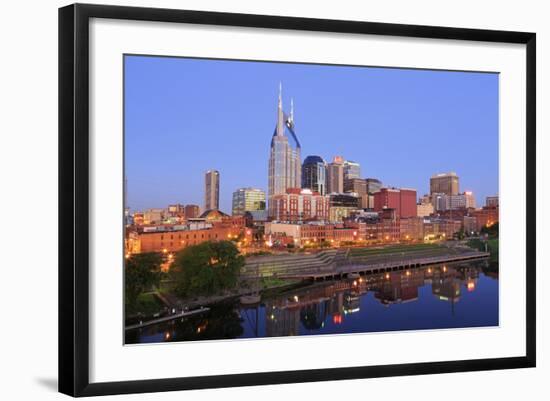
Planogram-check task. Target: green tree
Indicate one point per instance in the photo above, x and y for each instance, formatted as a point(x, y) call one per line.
point(491, 231)
point(141, 272)
point(206, 268)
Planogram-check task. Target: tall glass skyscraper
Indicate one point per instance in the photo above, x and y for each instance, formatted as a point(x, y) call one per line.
point(351, 170)
point(284, 157)
point(212, 190)
point(314, 174)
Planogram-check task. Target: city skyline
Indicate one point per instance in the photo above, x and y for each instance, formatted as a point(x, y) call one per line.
point(170, 171)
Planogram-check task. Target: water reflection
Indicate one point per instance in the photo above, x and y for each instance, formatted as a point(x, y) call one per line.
point(443, 296)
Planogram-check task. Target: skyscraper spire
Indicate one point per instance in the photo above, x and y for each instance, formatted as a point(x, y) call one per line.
point(291, 110)
point(280, 114)
point(285, 167)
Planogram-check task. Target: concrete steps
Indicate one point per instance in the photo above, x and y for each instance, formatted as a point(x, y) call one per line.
point(283, 264)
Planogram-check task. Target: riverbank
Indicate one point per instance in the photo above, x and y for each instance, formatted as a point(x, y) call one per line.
point(343, 261)
point(492, 247)
point(174, 305)
point(269, 274)
point(434, 297)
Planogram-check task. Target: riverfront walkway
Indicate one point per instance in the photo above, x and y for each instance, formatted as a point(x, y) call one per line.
point(167, 318)
point(373, 268)
point(338, 263)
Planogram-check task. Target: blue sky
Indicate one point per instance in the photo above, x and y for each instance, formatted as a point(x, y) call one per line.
point(186, 116)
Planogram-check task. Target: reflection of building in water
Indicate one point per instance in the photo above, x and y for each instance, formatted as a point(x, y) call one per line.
point(469, 276)
point(336, 304)
point(352, 302)
point(312, 307)
point(282, 321)
point(399, 287)
point(313, 315)
point(446, 285)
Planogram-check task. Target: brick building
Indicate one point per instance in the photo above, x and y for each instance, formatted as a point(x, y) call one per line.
point(172, 238)
point(486, 216)
point(402, 200)
point(298, 205)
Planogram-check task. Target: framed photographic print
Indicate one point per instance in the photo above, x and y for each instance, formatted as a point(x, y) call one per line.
point(250, 199)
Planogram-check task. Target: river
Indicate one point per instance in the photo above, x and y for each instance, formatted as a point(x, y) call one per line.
point(434, 297)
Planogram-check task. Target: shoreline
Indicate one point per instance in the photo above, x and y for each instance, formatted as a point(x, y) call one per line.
point(180, 306)
point(174, 305)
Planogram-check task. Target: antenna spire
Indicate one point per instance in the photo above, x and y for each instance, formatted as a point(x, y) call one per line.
point(292, 109)
point(280, 114)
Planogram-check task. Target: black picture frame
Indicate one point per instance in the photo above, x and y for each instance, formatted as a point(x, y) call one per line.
point(74, 198)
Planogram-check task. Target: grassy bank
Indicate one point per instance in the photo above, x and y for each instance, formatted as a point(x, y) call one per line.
point(392, 249)
point(147, 304)
point(492, 247)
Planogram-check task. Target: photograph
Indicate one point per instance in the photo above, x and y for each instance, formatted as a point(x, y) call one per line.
point(271, 199)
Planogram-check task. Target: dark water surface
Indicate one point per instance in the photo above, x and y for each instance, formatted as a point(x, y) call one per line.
point(435, 297)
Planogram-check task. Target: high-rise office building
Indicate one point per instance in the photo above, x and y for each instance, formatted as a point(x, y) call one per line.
point(444, 183)
point(442, 202)
point(212, 190)
point(373, 185)
point(247, 200)
point(403, 201)
point(335, 176)
point(491, 201)
point(342, 206)
point(285, 169)
point(314, 174)
point(469, 199)
point(358, 186)
point(351, 170)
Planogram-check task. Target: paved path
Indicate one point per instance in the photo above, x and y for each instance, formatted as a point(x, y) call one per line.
point(367, 268)
point(345, 261)
point(167, 318)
